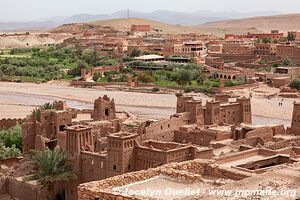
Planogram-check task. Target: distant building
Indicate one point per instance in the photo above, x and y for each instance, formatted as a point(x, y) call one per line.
point(140, 28)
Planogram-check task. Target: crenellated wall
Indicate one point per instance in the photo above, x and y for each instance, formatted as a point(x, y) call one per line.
point(6, 123)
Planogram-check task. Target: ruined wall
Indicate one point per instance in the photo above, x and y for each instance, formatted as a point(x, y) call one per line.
point(198, 137)
point(29, 132)
point(266, 133)
point(215, 62)
point(54, 121)
point(25, 191)
point(104, 109)
point(162, 130)
point(283, 144)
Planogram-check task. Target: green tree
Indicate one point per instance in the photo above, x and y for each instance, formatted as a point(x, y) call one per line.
point(135, 53)
point(287, 62)
point(50, 168)
point(90, 56)
point(76, 71)
point(146, 78)
point(200, 79)
point(266, 40)
point(184, 77)
point(9, 152)
point(12, 136)
point(1, 73)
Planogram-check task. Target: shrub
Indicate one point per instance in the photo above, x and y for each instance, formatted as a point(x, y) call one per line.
point(146, 78)
point(96, 76)
point(155, 89)
point(295, 84)
point(11, 137)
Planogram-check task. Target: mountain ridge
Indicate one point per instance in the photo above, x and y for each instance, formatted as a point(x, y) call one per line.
point(165, 16)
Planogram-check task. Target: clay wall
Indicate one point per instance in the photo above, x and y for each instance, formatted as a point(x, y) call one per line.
point(120, 153)
point(29, 132)
point(24, 190)
point(93, 166)
point(3, 185)
point(104, 109)
point(103, 69)
point(140, 28)
point(215, 62)
point(200, 137)
point(231, 114)
point(233, 48)
point(188, 171)
point(295, 125)
point(162, 153)
point(283, 144)
point(280, 82)
point(9, 123)
point(233, 57)
point(162, 130)
point(266, 133)
point(54, 121)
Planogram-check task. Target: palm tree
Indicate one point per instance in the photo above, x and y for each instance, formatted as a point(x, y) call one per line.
point(47, 106)
point(50, 168)
point(37, 111)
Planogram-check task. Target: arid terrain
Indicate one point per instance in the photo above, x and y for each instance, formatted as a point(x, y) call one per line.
point(264, 24)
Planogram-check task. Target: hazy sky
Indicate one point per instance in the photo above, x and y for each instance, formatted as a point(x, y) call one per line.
point(36, 9)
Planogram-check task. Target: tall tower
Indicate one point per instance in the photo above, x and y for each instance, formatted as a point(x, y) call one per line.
point(221, 85)
point(295, 125)
point(104, 109)
point(212, 113)
point(196, 112)
point(245, 110)
point(181, 103)
point(120, 153)
point(78, 138)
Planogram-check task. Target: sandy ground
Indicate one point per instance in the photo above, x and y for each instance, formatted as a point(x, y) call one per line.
point(263, 106)
point(18, 99)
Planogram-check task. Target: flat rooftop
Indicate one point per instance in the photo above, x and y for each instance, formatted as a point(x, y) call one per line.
point(164, 188)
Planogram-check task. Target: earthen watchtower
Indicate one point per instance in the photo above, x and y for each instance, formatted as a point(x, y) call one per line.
point(104, 109)
point(120, 153)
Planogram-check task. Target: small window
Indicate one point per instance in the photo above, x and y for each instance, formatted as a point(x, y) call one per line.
point(106, 112)
point(115, 167)
point(129, 167)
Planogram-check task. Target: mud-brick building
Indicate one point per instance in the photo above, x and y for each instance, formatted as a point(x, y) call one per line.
point(219, 110)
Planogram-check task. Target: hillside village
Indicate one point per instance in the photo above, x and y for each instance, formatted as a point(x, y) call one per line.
point(208, 144)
